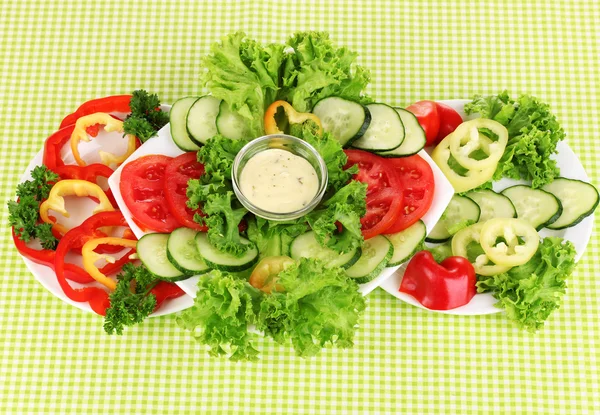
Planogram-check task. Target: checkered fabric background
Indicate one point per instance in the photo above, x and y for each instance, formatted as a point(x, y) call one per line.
point(56, 359)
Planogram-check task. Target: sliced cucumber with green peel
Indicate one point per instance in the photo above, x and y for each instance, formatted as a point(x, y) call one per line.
point(152, 251)
point(492, 204)
point(201, 119)
point(538, 207)
point(414, 136)
point(230, 124)
point(460, 213)
point(386, 131)
point(376, 253)
point(183, 253)
point(346, 120)
point(223, 261)
point(307, 246)
point(178, 124)
point(578, 199)
point(406, 243)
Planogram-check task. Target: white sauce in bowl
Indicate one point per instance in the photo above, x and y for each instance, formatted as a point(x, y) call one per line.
point(279, 181)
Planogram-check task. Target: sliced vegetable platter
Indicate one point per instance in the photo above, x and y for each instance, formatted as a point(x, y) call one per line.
point(579, 235)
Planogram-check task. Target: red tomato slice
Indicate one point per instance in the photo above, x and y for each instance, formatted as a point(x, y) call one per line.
point(427, 114)
point(449, 120)
point(372, 170)
point(383, 209)
point(142, 188)
point(178, 172)
point(417, 187)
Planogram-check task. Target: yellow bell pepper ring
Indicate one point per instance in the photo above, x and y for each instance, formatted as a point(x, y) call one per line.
point(469, 137)
point(482, 263)
point(461, 183)
point(519, 241)
point(110, 124)
point(90, 257)
point(80, 188)
point(294, 117)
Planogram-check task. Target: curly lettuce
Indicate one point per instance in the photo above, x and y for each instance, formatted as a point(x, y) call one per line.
point(533, 132)
point(531, 292)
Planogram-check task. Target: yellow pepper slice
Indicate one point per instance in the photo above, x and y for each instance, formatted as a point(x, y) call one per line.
point(81, 188)
point(294, 117)
point(90, 257)
point(461, 183)
point(520, 241)
point(110, 124)
point(482, 263)
point(264, 277)
point(468, 138)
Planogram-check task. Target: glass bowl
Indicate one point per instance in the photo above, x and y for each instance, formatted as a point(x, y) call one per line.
point(295, 146)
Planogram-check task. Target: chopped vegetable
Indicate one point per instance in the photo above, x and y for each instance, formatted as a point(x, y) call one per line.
point(428, 115)
point(111, 104)
point(509, 241)
point(223, 217)
point(533, 133)
point(23, 215)
point(443, 286)
point(292, 115)
point(90, 257)
point(530, 292)
point(265, 275)
point(273, 238)
point(146, 118)
point(316, 69)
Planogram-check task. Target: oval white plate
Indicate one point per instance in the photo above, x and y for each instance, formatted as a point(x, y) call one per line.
point(570, 167)
point(110, 142)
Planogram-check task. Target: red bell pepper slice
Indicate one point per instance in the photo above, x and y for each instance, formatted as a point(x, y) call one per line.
point(443, 286)
point(165, 290)
point(113, 103)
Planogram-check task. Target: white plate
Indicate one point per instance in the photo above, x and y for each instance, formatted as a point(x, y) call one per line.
point(110, 142)
point(163, 144)
point(570, 167)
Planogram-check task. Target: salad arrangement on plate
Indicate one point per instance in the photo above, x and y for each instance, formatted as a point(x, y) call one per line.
point(277, 233)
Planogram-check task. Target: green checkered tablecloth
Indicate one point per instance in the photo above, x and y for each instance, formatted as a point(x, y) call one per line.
point(56, 359)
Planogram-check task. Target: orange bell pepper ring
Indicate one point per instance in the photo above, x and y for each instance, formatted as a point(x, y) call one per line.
point(90, 257)
point(294, 117)
point(56, 200)
point(110, 124)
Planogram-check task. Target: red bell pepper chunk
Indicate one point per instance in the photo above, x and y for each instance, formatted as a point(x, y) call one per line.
point(443, 286)
point(114, 103)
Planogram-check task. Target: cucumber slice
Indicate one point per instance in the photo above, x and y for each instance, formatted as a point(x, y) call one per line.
point(152, 251)
point(307, 246)
point(223, 261)
point(406, 243)
point(578, 199)
point(460, 213)
point(230, 124)
point(536, 206)
point(414, 136)
point(492, 204)
point(177, 122)
point(183, 254)
point(201, 119)
point(386, 131)
point(346, 120)
point(376, 253)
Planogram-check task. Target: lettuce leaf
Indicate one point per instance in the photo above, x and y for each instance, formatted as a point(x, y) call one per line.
point(531, 292)
point(320, 306)
point(316, 69)
point(274, 238)
point(245, 75)
point(223, 309)
point(533, 133)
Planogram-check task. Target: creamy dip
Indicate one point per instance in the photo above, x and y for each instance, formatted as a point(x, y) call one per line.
point(278, 181)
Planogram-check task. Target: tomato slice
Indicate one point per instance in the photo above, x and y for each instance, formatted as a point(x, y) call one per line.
point(383, 209)
point(449, 120)
point(416, 186)
point(142, 188)
point(427, 114)
point(178, 172)
point(372, 170)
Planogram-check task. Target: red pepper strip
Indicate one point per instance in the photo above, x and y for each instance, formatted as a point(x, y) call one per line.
point(443, 286)
point(76, 238)
point(165, 290)
point(54, 145)
point(114, 103)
